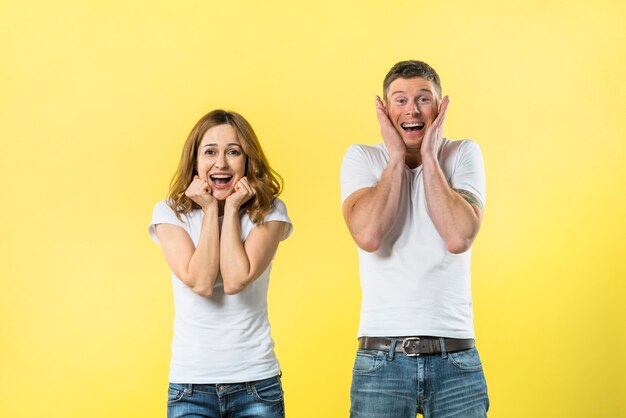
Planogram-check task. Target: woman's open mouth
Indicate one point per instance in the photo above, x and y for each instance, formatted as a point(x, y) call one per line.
point(220, 181)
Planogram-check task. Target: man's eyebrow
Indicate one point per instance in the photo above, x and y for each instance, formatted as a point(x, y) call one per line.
point(404, 92)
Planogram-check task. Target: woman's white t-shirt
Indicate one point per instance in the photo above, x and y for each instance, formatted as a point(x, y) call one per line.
point(224, 338)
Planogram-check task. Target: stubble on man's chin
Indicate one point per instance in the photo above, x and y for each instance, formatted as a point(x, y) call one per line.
point(413, 145)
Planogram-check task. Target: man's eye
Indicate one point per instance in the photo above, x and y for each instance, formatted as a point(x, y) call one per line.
point(401, 101)
point(423, 100)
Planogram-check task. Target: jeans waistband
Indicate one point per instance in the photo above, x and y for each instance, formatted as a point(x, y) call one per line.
point(415, 346)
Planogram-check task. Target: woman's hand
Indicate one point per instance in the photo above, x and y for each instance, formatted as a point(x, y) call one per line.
point(200, 192)
point(243, 192)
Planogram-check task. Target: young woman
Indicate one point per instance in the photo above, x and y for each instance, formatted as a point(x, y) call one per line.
point(219, 230)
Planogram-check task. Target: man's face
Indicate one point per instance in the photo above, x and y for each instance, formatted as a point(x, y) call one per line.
point(412, 106)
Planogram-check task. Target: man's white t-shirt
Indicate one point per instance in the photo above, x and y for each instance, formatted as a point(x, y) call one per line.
point(224, 338)
point(412, 285)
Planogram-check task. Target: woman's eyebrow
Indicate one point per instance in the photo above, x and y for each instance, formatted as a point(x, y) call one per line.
point(230, 144)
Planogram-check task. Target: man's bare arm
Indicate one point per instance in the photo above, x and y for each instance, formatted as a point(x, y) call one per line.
point(456, 214)
point(371, 212)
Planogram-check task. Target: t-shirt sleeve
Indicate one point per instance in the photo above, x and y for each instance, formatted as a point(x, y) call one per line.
point(469, 173)
point(356, 172)
point(278, 212)
point(163, 214)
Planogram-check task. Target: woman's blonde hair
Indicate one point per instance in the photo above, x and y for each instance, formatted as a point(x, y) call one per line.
point(266, 182)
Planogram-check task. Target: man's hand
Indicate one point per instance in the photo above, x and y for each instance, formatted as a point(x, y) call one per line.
point(391, 137)
point(200, 192)
point(433, 138)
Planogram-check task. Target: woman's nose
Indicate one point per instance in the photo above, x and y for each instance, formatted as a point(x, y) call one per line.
point(221, 161)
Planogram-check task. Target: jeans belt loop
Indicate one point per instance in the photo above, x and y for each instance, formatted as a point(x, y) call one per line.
point(442, 346)
point(392, 352)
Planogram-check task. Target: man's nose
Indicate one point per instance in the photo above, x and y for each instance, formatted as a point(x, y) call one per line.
point(412, 109)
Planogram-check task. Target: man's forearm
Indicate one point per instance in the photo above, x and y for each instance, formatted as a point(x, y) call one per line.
point(457, 221)
point(372, 214)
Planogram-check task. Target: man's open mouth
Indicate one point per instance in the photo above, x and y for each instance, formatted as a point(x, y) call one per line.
point(412, 126)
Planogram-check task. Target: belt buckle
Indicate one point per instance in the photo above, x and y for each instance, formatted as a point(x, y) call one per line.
point(406, 342)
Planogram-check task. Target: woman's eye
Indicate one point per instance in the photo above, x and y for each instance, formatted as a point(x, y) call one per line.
point(209, 152)
point(401, 101)
point(234, 152)
point(423, 100)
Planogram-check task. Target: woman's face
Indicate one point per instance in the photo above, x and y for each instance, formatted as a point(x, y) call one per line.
point(221, 161)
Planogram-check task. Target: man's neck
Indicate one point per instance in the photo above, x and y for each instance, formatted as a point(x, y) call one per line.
point(413, 159)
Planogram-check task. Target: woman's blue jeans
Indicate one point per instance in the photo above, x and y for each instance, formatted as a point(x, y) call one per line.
point(262, 399)
point(394, 385)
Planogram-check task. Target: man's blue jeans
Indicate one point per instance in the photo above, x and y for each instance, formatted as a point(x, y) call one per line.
point(394, 385)
point(262, 399)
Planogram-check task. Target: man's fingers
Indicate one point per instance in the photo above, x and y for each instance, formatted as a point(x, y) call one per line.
point(379, 104)
point(381, 111)
point(444, 102)
point(443, 107)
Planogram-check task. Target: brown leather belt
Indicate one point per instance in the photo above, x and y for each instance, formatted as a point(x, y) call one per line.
point(414, 346)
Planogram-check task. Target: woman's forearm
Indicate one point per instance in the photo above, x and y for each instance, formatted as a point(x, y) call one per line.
point(234, 262)
point(204, 263)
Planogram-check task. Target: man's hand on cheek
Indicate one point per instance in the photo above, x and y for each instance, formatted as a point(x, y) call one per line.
point(433, 138)
point(391, 137)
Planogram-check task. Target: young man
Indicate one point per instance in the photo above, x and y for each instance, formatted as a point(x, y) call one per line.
point(414, 205)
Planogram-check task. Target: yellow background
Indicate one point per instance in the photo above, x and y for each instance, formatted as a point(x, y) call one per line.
point(96, 100)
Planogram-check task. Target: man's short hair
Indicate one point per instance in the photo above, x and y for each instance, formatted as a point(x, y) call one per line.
point(411, 69)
